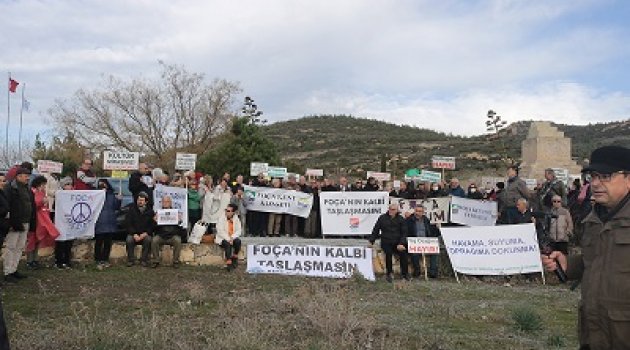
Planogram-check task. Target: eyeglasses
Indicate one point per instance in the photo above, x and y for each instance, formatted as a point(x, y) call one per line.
point(603, 177)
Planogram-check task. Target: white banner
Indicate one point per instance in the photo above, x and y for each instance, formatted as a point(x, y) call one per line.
point(179, 196)
point(351, 213)
point(278, 200)
point(423, 245)
point(185, 161)
point(473, 212)
point(498, 250)
point(436, 209)
point(167, 217)
point(120, 160)
point(76, 213)
point(275, 171)
point(256, 169)
point(310, 260)
point(50, 167)
point(439, 162)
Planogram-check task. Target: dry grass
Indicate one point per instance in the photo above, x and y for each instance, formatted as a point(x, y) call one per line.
point(199, 308)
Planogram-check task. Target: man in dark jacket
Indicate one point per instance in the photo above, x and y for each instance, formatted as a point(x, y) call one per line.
point(139, 182)
point(514, 189)
point(167, 234)
point(551, 187)
point(418, 225)
point(4, 211)
point(21, 218)
point(455, 189)
point(392, 229)
point(139, 223)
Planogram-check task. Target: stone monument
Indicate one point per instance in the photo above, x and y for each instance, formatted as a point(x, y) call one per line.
point(545, 147)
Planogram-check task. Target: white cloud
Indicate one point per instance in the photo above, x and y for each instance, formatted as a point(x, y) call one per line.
point(390, 59)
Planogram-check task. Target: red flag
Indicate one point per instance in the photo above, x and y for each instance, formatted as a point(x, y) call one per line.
point(13, 84)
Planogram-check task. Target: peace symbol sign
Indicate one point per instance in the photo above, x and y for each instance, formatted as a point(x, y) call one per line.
point(81, 212)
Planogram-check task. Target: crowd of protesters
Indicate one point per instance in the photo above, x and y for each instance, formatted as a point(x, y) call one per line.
point(27, 207)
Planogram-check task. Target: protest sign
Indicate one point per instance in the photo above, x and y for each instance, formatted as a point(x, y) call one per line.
point(310, 260)
point(179, 197)
point(531, 183)
point(278, 200)
point(167, 217)
point(256, 169)
point(423, 245)
point(498, 250)
point(490, 182)
point(430, 176)
point(396, 183)
point(351, 213)
point(314, 172)
point(120, 160)
point(439, 162)
point(562, 175)
point(49, 167)
point(185, 161)
point(473, 212)
point(274, 171)
point(76, 213)
point(379, 176)
point(120, 174)
point(436, 209)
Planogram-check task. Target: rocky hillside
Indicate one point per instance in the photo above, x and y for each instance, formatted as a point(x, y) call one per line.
point(345, 144)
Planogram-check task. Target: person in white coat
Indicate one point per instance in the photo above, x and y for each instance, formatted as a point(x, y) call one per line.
point(228, 233)
point(215, 203)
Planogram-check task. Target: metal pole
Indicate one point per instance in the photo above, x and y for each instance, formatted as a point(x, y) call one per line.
point(20, 133)
point(6, 140)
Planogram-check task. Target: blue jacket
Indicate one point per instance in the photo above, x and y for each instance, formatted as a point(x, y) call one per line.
point(106, 222)
point(458, 192)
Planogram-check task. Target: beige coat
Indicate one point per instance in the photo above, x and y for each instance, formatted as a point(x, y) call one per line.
point(604, 266)
point(222, 229)
point(561, 228)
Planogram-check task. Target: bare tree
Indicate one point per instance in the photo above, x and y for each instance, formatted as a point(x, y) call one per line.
point(179, 112)
point(12, 156)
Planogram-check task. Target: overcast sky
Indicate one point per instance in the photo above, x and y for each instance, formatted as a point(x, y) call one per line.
point(438, 64)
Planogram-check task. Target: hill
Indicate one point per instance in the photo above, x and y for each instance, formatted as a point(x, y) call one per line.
point(350, 145)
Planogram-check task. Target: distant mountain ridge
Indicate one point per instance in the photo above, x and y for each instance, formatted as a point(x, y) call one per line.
point(350, 145)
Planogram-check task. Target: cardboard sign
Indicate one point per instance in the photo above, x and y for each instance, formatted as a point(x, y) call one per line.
point(439, 162)
point(274, 171)
point(120, 174)
point(49, 167)
point(167, 217)
point(423, 245)
point(315, 172)
point(185, 161)
point(258, 168)
point(430, 176)
point(379, 176)
point(120, 160)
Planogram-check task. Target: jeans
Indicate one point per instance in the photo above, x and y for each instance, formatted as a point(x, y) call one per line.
point(15, 244)
point(433, 262)
point(231, 249)
point(156, 246)
point(131, 246)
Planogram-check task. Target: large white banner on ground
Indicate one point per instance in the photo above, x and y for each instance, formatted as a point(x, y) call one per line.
point(436, 209)
point(498, 250)
point(277, 200)
point(351, 213)
point(310, 260)
point(179, 196)
point(473, 212)
point(76, 213)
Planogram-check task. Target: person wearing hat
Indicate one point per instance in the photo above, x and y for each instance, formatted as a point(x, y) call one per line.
point(604, 264)
point(21, 217)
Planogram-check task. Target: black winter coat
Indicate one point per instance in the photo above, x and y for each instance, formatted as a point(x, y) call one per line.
point(390, 230)
point(137, 222)
point(16, 206)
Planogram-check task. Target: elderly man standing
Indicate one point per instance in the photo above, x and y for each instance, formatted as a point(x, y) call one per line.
point(604, 263)
point(391, 228)
point(552, 187)
point(86, 179)
point(418, 225)
point(560, 226)
point(21, 217)
point(515, 189)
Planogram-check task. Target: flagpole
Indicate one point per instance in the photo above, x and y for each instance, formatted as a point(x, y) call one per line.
point(6, 140)
point(20, 134)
